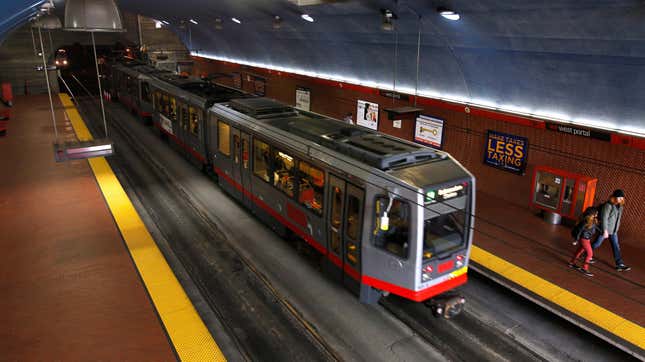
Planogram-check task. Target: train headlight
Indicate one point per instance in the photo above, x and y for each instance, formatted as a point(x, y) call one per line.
point(460, 260)
point(64, 62)
point(57, 62)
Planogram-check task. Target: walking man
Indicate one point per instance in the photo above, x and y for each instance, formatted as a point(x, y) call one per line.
point(610, 214)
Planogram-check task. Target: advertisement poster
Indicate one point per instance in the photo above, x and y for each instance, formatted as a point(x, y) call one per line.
point(237, 80)
point(429, 131)
point(259, 85)
point(303, 98)
point(506, 151)
point(367, 115)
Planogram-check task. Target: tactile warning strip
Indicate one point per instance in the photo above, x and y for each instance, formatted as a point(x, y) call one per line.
point(186, 330)
point(595, 314)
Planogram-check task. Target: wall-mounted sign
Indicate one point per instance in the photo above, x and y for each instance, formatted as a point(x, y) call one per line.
point(237, 80)
point(303, 98)
point(396, 123)
point(578, 131)
point(392, 94)
point(367, 115)
point(259, 86)
point(429, 131)
point(506, 151)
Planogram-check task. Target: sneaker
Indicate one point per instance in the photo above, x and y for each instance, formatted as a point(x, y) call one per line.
point(622, 268)
point(592, 261)
point(572, 265)
point(586, 272)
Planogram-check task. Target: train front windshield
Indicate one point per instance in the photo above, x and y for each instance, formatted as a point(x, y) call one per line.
point(445, 219)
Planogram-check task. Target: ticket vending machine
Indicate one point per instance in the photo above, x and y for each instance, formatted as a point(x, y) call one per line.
point(561, 193)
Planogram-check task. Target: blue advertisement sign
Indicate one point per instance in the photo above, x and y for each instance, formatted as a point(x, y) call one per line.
point(506, 151)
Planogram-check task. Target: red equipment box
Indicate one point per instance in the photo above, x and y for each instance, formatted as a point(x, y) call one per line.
point(562, 192)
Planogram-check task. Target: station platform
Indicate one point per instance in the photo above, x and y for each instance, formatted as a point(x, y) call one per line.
point(517, 248)
point(76, 279)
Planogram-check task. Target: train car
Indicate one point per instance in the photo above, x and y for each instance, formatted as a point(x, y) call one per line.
point(179, 112)
point(389, 216)
point(131, 83)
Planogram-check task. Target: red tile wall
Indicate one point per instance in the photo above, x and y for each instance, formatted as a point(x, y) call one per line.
point(615, 165)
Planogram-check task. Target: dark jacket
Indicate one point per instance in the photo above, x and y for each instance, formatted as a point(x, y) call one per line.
point(610, 215)
point(586, 233)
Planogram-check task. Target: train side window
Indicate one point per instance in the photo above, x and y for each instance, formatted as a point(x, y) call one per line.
point(173, 109)
point(245, 153)
point(236, 148)
point(311, 187)
point(157, 101)
point(284, 176)
point(262, 160)
point(224, 138)
point(353, 228)
point(165, 103)
point(396, 238)
point(183, 120)
point(195, 117)
point(145, 92)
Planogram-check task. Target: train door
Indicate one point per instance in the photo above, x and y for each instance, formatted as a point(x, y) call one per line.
point(344, 222)
point(182, 115)
point(245, 168)
point(236, 170)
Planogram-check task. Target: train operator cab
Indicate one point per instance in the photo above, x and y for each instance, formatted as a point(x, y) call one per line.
point(60, 58)
point(421, 236)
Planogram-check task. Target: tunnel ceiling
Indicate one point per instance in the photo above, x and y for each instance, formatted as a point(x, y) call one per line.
point(572, 60)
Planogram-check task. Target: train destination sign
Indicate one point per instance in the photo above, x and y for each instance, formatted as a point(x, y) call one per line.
point(505, 151)
point(444, 194)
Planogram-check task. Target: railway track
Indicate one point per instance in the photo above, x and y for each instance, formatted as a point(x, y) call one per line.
point(465, 338)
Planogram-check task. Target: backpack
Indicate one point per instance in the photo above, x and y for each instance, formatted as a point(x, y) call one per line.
point(575, 231)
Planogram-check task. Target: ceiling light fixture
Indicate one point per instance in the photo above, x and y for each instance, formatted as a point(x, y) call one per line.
point(236, 20)
point(448, 14)
point(218, 24)
point(193, 21)
point(388, 19)
point(307, 17)
point(158, 24)
point(165, 22)
point(277, 22)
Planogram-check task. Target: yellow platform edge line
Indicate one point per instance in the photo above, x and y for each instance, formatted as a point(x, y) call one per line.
point(597, 315)
point(187, 331)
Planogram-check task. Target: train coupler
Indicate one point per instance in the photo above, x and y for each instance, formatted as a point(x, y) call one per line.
point(446, 306)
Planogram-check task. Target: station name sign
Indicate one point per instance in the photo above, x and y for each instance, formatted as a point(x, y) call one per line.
point(394, 95)
point(578, 131)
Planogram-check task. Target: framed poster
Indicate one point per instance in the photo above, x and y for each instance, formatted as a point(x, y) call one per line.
point(505, 151)
point(259, 85)
point(303, 98)
point(429, 131)
point(237, 80)
point(367, 115)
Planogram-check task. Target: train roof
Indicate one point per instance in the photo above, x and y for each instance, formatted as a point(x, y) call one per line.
point(361, 144)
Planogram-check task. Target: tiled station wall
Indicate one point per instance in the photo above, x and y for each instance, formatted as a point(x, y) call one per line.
point(615, 165)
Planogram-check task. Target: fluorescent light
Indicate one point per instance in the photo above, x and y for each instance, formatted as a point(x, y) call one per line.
point(158, 24)
point(236, 20)
point(307, 17)
point(429, 93)
point(165, 22)
point(448, 14)
point(193, 21)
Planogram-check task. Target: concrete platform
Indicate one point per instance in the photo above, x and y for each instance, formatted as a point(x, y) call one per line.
point(516, 247)
point(70, 289)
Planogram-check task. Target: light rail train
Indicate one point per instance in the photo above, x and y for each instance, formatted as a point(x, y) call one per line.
point(388, 216)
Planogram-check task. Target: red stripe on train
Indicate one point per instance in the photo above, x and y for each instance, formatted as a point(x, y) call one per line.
point(417, 296)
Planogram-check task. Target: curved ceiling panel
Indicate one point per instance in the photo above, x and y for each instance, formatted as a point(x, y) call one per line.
point(580, 60)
